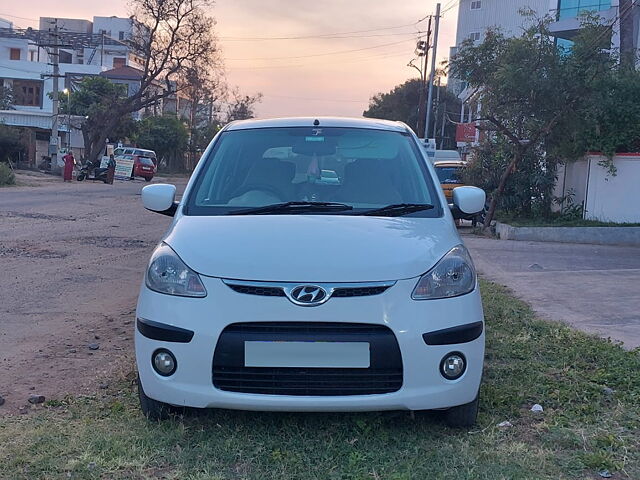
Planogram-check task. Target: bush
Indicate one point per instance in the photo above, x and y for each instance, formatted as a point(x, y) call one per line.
point(6, 175)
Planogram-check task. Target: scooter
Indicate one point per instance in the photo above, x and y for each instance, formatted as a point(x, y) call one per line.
point(98, 173)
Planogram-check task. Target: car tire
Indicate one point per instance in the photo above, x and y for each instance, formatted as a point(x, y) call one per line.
point(463, 415)
point(152, 409)
point(147, 179)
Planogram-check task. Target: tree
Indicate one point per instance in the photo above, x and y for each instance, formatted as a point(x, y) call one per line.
point(170, 36)
point(167, 136)
point(401, 104)
point(241, 107)
point(527, 87)
point(6, 98)
point(93, 101)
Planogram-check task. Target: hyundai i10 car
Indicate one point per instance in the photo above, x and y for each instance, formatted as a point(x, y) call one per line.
point(312, 264)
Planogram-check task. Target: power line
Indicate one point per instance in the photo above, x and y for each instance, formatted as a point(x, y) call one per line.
point(319, 37)
point(340, 52)
point(328, 35)
point(21, 18)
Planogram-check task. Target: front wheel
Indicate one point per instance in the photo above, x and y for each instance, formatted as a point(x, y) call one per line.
point(463, 415)
point(80, 177)
point(147, 179)
point(152, 409)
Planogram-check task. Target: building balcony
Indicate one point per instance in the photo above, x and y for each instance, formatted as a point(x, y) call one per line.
point(568, 27)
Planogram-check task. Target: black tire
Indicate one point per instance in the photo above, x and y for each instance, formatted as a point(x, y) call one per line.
point(152, 409)
point(463, 415)
point(147, 179)
point(80, 177)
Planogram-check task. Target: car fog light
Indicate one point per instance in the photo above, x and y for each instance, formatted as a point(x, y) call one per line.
point(164, 363)
point(453, 366)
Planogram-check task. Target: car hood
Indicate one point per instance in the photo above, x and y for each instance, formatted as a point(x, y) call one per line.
point(311, 248)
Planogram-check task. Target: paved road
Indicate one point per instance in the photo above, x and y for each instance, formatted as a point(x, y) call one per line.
point(594, 288)
point(72, 257)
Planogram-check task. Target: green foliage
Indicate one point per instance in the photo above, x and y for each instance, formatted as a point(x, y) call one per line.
point(7, 176)
point(6, 98)
point(167, 136)
point(401, 104)
point(530, 187)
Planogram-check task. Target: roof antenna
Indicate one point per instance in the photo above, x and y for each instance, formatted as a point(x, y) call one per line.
point(316, 122)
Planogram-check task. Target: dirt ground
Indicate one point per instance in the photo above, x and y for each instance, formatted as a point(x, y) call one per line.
point(72, 256)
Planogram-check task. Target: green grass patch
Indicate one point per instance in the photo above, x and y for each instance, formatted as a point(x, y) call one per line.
point(558, 221)
point(7, 177)
point(583, 428)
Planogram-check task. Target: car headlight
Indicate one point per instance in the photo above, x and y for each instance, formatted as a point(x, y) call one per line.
point(452, 276)
point(168, 274)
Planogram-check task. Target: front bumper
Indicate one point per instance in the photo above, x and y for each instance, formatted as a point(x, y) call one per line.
point(423, 387)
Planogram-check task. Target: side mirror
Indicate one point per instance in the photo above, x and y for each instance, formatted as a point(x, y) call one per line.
point(160, 198)
point(469, 200)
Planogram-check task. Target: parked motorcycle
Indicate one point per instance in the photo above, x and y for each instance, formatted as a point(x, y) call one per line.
point(88, 168)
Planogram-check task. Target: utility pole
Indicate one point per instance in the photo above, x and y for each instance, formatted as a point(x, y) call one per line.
point(53, 141)
point(434, 50)
point(627, 48)
point(424, 55)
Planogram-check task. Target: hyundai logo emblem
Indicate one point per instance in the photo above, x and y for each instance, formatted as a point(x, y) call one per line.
point(309, 295)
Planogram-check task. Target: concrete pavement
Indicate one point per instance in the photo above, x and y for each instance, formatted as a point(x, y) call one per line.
point(594, 288)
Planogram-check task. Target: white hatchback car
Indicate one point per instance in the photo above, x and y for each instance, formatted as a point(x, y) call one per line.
point(311, 265)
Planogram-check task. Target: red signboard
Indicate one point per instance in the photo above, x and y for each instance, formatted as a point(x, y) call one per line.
point(466, 132)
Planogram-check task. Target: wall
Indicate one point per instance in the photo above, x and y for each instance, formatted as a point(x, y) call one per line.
point(112, 26)
point(67, 24)
point(606, 198)
point(614, 198)
point(502, 13)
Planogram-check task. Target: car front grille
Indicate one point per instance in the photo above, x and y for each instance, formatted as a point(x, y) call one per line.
point(384, 375)
point(268, 289)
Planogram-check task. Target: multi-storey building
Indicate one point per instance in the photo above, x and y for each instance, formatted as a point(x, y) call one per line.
point(86, 48)
point(475, 17)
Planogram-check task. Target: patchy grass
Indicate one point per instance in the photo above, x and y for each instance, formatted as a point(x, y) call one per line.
point(559, 221)
point(583, 429)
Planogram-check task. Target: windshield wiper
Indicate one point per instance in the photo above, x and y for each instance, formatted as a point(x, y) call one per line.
point(294, 207)
point(398, 209)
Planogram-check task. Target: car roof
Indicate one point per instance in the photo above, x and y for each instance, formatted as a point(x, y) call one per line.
point(450, 163)
point(353, 122)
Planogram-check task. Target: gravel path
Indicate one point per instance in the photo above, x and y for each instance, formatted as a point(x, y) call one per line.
point(72, 257)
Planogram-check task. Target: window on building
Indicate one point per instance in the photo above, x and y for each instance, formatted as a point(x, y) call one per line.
point(27, 93)
point(476, 4)
point(575, 8)
point(33, 55)
point(119, 62)
point(14, 54)
point(120, 35)
point(65, 57)
point(474, 36)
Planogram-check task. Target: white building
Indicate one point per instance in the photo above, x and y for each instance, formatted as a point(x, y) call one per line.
point(475, 17)
point(87, 48)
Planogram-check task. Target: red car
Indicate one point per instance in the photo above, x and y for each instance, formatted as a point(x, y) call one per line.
point(143, 167)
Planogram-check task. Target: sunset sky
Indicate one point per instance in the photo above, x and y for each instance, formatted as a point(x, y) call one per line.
point(297, 76)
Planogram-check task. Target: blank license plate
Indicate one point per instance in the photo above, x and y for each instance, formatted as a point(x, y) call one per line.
point(307, 354)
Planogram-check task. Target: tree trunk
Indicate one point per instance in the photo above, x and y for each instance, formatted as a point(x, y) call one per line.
point(501, 185)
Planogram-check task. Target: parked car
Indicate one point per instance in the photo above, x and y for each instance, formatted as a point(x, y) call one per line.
point(281, 286)
point(449, 175)
point(137, 151)
point(143, 167)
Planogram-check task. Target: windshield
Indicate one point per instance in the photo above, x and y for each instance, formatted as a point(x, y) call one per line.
point(448, 174)
point(362, 168)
